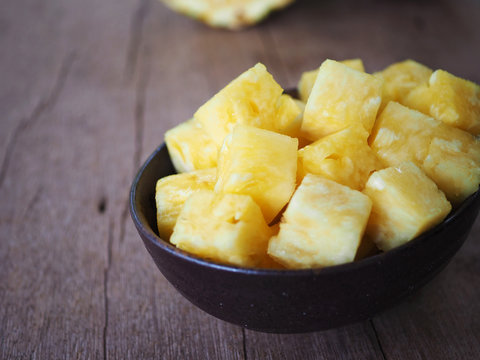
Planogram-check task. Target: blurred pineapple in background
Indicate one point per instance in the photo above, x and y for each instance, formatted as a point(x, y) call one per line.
point(229, 14)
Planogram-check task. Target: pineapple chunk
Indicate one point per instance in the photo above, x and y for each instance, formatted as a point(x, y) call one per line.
point(171, 193)
point(406, 202)
point(226, 228)
point(344, 157)
point(259, 163)
point(289, 116)
point(254, 98)
point(308, 78)
point(456, 170)
point(401, 78)
point(450, 99)
point(190, 147)
point(340, 97)
point(322, 226)
point(402, 134)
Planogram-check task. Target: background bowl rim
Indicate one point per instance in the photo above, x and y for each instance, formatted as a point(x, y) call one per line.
point(153, 238)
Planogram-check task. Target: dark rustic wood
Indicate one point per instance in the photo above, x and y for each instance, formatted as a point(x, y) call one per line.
point(89, 88)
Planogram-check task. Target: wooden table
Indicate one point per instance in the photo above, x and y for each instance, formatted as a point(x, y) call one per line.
point(88, 89)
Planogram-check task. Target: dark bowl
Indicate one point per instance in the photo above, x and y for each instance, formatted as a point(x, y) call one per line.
point(293, 301)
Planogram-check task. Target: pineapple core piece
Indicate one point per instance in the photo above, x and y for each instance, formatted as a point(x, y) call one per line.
point(171, 193)
point(400, 79)
point(450, 99)
point(344, 157)
point(450, 156)
point(226, 228)
point(190, 147)
point(406, 202)
point(254, 98)
point(259, 163)
point(308, 78)
point(322, 225)
point(341, 96)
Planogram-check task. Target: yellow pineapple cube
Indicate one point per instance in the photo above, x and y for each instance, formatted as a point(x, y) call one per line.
point(172, 191)
point(455, 169)
point(344, 157)
point(322, 226)
point(308, 78)
point(340, 97)
point(227, 228)
point(406, 202)
point(289, 116)
point(259, 163)
point(190, 147)
point(254, 98)
point(450, 99)
point(402, 134)
point(401, 78)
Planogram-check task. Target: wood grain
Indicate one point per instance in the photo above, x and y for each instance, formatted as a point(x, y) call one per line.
point(88, 90)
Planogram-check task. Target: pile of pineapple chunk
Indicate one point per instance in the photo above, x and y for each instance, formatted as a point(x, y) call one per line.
point(360, 162)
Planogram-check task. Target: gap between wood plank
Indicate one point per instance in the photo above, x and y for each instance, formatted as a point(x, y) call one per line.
point(244, 344)
point(106, 273)
point(377, 338)
point(44, 105)
point(135, 40)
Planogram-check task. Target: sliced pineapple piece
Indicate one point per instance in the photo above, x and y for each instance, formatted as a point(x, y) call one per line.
point(254, 98)
point(401, 78)
point(190, 147)
point(406, 202)
point(450, 99)
point(172, 191)
point(308, 78)
point(455, 169)
point(344, 157)
point(230, 14)
point(227, 228)
point(402, 134)
point(322, 226)
point(289, 116)
point(259, 163)
point(340, 97)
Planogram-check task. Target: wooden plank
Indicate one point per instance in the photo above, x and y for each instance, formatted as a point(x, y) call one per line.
point(350, 342)
point(441, 321)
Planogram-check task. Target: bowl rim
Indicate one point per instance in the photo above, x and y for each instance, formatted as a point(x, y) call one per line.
point(154, 239)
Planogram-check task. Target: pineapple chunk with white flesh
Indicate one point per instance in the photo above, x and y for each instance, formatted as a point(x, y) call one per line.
point(254, 98)
point(406, 202)
point(344, 157)
point(172, 191)
point(308, 78)
point(450, 156)
point(456, 172)
point(259, 163)
point(322, 226)
point(450, 99)
point(401, 78)
point(341, 96)
point(190, 147)
point(226, 228)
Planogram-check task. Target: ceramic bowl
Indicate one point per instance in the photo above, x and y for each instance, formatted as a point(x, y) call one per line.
point(293, 301)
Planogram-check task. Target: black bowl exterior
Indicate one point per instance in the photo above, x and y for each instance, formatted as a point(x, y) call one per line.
point(293, 301)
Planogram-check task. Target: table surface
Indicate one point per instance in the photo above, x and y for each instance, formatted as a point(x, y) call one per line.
point(88, 89)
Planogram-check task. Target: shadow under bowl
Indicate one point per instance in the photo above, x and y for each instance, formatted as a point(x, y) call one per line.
point(295, 301)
